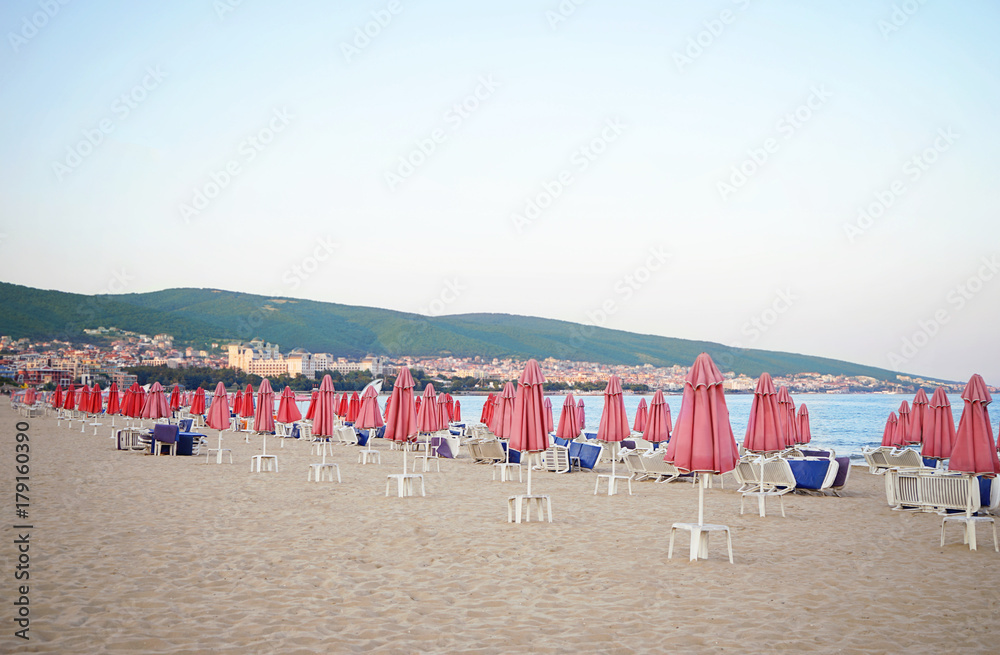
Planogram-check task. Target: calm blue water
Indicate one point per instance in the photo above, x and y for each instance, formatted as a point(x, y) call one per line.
point(844, 422)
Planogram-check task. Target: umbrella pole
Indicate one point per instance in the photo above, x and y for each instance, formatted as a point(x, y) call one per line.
point(218, 454)
point(701, 499)
point(264, 437)
point(405, 445)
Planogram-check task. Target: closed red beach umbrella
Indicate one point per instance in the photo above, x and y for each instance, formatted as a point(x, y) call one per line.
point(198, 402)
point(369, 416)
point(288, 411)
point(702, 440)
point(114, 402)
point(658, 421)
point(325, 417)
point(805, 432)
point(939, 427)
point(175, 398)
point(975, 449)
point(765, 427)
point(218, 412)
point(641, 416)
point(889, 432)
point(569, 422)
point(263, 418)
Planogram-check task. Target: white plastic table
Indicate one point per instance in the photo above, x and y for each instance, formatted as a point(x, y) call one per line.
point(404, 484)
point(699, 539)
point(516, 505)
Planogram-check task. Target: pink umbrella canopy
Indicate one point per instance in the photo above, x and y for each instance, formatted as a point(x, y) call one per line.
point(903, 424)
point(975, 450)
point(889, 432)
point(401, 421)
point(765, 429)
point(614, 422)
point(198, 402)
point(114, 403)
point(246, 407)
point(503, 416)
point(549, 423)
point(457, 412)
point(449, 407)
point(30, 396)
point(57, 397)
point(528, 433)
point(155, 405)
point(581, 414)
point(442, 411)
point(939, 427)
point(569, 422)
point(83, 399)
point(125, 404)
point(416, 403)
point(288, 411)
point(325, 417)
point(218, 411)
point(96, 402)
point(918, 418)
point(311, 412)
point(805, 432)
point(658, 421)
point(427, 415)
point(493, 409)
point(369, 416)
point(263, 418)
point(484, 416)
point(140, 400)
point(69, 402)
point(787, 417)
point(353, 407)
point(703, 438)
point(345, 406)
point(641, 416)
point(175, 398)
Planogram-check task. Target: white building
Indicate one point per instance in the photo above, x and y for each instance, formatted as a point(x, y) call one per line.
point(301, 362)
point(257, 358)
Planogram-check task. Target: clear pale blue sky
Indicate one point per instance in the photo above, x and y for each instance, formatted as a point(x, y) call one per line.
point(883, 96)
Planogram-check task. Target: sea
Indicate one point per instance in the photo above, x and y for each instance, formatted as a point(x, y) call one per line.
point(844, 422)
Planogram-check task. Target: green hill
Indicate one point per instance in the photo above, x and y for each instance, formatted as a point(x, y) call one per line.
point(200, 316)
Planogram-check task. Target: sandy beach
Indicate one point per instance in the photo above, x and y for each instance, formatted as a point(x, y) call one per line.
point(131, 553)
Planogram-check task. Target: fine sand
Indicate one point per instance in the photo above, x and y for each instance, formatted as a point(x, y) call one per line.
point(137, 554)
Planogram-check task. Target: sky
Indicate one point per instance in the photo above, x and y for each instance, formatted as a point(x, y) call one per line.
point(805, 177)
